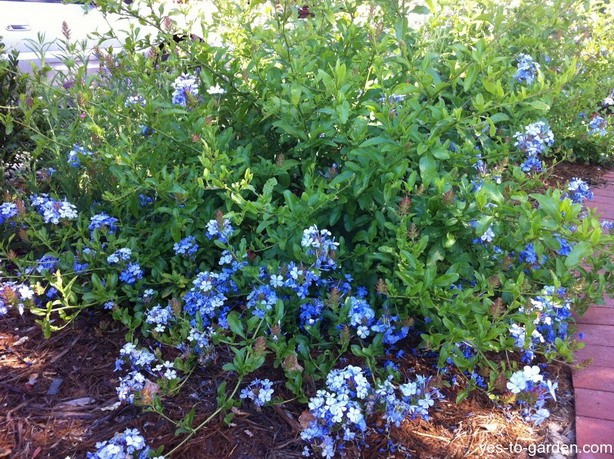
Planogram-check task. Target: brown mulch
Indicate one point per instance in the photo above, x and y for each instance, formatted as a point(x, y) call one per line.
point(563, 172)
point(85, 409)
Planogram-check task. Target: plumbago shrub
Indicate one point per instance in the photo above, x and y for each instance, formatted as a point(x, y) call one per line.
point(318, 195)
point(13, 136)
point(572, 32)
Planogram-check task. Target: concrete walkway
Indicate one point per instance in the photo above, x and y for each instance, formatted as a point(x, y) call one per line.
point(594, 385)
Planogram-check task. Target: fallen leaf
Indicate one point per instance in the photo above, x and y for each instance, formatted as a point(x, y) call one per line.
point(149, 391)
point(238, 412)
point(305, 418)
point(111, 407)
point(80, 401)
point(54, 387)
point(21, 340)
point(489, 427)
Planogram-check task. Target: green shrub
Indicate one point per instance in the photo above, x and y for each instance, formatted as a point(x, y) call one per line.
point(400, 140)
point(13, 136)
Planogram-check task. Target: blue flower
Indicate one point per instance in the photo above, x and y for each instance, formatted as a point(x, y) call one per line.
point(532, 164)
point(187, 246)
point(47, 263)
point(260, 391)
point(79, 268)
point(311, 312)
point(535, 138)
point(321, 244)
point(145, 200)
point(261, 299)
point(7, 211)
point(121, 446)
point(102, 221)
point(529, 255)
point(565, 246)
point(361, 314)
point(517, 382)
point(131, 274)
point(123, 254)
point(527, 69)
point(75, 153)
point(598, 126)
point(53, 211)
point(579, 191)
point(185, 89)
point(160, 317)
point(219, 228)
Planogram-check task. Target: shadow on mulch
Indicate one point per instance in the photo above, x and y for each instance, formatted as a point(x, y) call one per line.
point(564, 171)
point(85, 409)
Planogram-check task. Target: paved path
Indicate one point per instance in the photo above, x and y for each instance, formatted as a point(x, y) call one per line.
point(594, 385)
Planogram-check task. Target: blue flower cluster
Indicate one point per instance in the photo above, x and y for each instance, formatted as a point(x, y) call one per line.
point(159, 316)
point(529, 255)
point(8, 210)
point(260, 391)
point(46, 264)
point(129, 444)
point(219, 229)
point(140, 360)
point(579, 191)
point(532, 392)
point(340, 410)
point(412, 400)
point(527, 69)
point(552, 312)
point(53, 211)
point(187, 246)
point(321, 244)
point(208, 295)
point(135, 99)
point(486, 237)
point(185, 88)
point(79, 268)
point(566, 246)
point(261, 299)
point(201, 344)
point(131, 274)
point(145, 200)
point(119, 255)
point(132, 271)
point(598, 126)
point(532, 142)
point(13, 295)
point(103, 221)
point(75, 153)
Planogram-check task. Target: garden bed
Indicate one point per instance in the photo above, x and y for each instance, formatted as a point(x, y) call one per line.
point(85, 409)
point(327, 234)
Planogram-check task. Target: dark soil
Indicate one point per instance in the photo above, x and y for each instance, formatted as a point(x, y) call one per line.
point(561, 173)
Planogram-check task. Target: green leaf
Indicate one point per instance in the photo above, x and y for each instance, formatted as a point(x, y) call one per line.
point(580, 251)
point(235, 324)
point(428, 169)
point(343, 111)
point(421, 9)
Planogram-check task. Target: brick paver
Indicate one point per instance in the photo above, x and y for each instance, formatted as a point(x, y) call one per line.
point(594, 384)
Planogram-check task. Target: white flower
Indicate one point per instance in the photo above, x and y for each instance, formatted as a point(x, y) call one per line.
point(517, 382)
point(532, 373)
point(216, 90)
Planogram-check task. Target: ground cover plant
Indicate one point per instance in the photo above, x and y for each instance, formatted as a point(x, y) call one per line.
point(307, 199)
